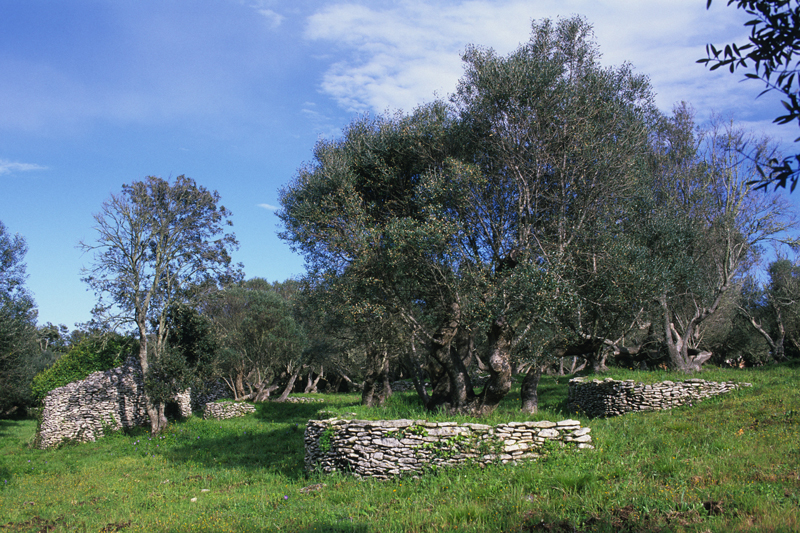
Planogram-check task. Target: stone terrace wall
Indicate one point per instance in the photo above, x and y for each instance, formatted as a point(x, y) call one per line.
point(81, 410)
point(611, 398)
point(386, 448)
point(223, 410)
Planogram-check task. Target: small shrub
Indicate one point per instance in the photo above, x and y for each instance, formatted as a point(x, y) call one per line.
point(91, 354)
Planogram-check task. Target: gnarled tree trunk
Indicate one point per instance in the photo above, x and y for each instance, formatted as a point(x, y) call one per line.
point(529, 394)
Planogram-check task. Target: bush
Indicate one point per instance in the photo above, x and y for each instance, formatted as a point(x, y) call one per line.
point(92, 354)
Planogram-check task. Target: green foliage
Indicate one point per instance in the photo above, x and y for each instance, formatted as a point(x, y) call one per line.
point(94, 353)
point(770, 54)
point(326, 438)
point(256, 331)
point(168, 375)
point(19, 351)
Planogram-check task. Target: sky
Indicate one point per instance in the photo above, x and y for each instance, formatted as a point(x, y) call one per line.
point(95, 94)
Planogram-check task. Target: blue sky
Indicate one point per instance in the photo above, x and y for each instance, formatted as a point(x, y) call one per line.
point(235, 93)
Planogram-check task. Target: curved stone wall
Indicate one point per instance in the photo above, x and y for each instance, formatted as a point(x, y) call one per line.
point(612, 398)
point(81, 410)
point(385, 448)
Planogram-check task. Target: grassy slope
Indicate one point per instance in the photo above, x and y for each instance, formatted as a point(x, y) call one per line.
point(728, 464)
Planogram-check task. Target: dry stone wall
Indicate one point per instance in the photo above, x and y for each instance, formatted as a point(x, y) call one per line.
point(223, 410)
point(610, 397)
point(114, 399)
point(82, 410)
point(386, 448)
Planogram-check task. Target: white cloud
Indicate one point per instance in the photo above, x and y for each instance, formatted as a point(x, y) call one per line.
point(397, 55)
point(274, 19)
point(8, 167)
point(269, 207)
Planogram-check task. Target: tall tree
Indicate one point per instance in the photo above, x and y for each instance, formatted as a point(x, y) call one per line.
point(157, 243)
point(565, 141)
point(463, 221)
point(18, 333)
point(718, 229)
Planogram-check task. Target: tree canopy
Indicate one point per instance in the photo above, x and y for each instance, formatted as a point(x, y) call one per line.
point(158, 244)
point(471, 224)
point(17, 324)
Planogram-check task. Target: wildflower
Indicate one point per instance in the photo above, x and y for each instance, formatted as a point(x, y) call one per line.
point(285, 497)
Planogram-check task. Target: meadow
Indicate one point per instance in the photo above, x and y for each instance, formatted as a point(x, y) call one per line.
point(730, 463)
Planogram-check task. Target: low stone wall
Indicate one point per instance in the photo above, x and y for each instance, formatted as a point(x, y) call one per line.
point(303, 399)
point(386, 448)
point(612, 398)
point(210, 392)
point(223, 410)
point(81, 411)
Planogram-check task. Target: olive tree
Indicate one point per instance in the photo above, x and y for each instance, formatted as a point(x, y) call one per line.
point(466, 221)
point(157, 242)
point(258, 337)
point(718, 230)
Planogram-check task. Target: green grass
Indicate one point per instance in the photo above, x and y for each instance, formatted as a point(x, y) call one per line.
point(731, 463)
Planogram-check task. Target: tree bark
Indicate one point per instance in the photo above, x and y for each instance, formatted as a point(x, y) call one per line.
point(376, 359)
point(443, 374)
point(529, 394)
point(678, 345)
point(417, 373)
point(155, 412)
point(386, 390)
point(290, 385)
point(500, 343)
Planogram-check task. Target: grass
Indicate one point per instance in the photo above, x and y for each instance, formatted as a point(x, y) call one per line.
point(731, 463)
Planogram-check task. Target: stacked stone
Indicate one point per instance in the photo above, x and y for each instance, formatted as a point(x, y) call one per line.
point(612, 398)
point(303, 399)
point(208, 393)
point(81, 411)
point(386, 448)
point(223, 410)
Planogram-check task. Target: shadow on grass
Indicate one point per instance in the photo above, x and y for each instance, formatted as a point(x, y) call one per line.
point(289, 413)
point(273, 443)
point(277, 451)
point(553, 394)
point(7, 425)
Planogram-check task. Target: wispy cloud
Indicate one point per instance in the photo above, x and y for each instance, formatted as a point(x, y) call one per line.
point(273, 18)
point(392, 56)
point(9, 167)
point(269, 207)
point(400, 56)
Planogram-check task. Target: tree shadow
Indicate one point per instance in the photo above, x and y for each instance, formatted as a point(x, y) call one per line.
point(323, 527)
point(292, 413)
point(7, 425)
point(279, 450)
